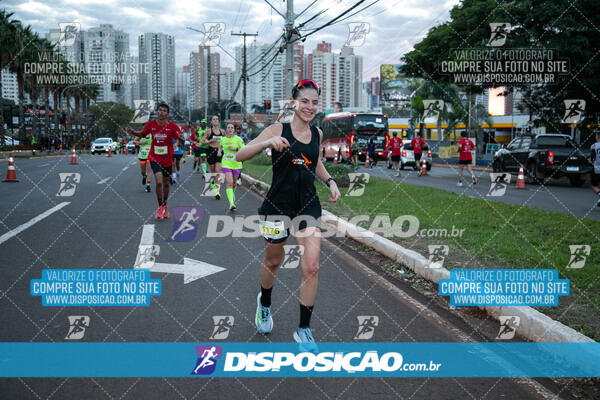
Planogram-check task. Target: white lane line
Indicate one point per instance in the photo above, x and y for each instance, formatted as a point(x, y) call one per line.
point(125, 168)
point(31, 222)
point(103, 181)
point(43, 165)
point(147, 235)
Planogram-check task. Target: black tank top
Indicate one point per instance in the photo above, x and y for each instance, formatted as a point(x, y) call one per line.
point(293, 190)
point(213, 135)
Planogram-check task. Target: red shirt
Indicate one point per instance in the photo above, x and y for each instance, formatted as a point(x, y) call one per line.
point(464, 147)
point(195, 138)
point(396, 145)
point(417, 143)
point(161, 150)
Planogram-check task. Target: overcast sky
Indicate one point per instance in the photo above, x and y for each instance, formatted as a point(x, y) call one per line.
point(394, 25)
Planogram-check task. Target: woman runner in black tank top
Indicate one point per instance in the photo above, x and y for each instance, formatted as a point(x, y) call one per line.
point(296, 164)
point(212, 138)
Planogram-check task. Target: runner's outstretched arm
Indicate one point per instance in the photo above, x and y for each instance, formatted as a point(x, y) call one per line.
point(270, 137)
point(322, 174)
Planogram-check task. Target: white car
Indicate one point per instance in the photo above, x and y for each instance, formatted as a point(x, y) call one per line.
point(8, 141)
point(102, 145)
point(407, 157)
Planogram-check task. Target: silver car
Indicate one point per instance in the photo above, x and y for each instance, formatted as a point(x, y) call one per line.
point(407, 157)
point(102, 145)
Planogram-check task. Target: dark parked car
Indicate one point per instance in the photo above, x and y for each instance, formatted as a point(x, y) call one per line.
point(544, 156)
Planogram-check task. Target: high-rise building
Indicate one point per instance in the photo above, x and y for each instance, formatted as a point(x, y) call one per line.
point(372, 89)
point(10, 89)
point(204, 67)
point(226, 83)
point(266, 81)
point(157, 50)
point(106, 60)
point(350, 87)
point(182, 84)
point(73, 50)
point(323, 69)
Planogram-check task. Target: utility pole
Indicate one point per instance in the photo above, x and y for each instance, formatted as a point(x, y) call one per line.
point(289, 52)
point(244, 72)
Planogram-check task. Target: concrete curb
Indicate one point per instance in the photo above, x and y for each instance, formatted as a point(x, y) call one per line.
point(534, 325)
point(455, 166)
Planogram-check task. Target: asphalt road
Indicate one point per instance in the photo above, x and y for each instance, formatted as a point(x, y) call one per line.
point(101, 227)
point(558, 195)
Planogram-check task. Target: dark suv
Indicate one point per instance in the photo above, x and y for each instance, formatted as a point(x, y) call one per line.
point(544, 156)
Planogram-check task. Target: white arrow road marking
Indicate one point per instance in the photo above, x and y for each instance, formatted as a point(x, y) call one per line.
point(190, 269)
point(31, 222)
point(103, 181)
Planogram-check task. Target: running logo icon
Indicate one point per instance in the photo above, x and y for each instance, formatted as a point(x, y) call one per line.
point(143, 108)
point(210, 188)
point(437, 255)
point(68, 33)
point(286, 110)
point(213, 32)
point(573, 110)
point(207, 359)
point(579, 253)
point(499, 33)
point(77, 326)
point(357, 33)
point(68, 183)
point(358, 183)
point(186, 223)
point(499, 184)
point(223, 325)
point(366, 326)
point(431, 110)
point(146, 256)
point(508, 327)
point(291, 257)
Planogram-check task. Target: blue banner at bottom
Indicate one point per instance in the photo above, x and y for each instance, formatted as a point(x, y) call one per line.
point(234, 359)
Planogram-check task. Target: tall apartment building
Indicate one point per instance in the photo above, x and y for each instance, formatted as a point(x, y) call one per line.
point(106, 60)
point(182, 84)
point(157, 51)
point(268, 84)
point(227, 81)
point(350, 69)
point(203, 85)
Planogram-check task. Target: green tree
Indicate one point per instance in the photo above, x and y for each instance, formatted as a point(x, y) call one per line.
point(110, 119)
point(8, 49)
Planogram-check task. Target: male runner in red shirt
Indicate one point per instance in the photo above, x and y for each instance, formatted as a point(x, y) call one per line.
point(161, 153)
point(464, 148)
point(396, 145)
point(417, 144)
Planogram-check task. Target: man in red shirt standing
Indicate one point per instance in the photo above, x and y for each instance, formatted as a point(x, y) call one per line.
point(395, 145)
point(464, 148)
point(161, 153)
point(418, 143)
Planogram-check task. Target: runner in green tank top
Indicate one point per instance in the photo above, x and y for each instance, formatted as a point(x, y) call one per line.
point(229, 166)
point(145, 144)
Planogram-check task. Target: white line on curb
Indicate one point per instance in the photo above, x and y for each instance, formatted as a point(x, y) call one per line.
point(21, 228)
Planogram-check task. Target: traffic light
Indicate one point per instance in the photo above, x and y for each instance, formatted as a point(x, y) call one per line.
point(267, 105)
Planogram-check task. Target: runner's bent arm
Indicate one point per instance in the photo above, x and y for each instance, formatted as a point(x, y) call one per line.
point(270, 137)
point(322, 174)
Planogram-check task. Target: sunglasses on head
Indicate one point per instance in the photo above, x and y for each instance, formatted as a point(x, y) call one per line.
point(309, 83)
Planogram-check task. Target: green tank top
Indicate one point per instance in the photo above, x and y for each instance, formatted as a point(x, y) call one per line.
point(145, 144)
point(200, 134)
point(228, 160)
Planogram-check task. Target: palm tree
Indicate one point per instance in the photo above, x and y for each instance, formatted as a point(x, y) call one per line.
point(24, 54)
point(8, 30)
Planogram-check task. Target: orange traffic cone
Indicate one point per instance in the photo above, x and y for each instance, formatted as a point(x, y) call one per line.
point(109, 153)
point(423, 168)
point(11, 174)
point(521, 178)
point(73, 157)
point(367, 163)
point(126, 151)
point(335, 160)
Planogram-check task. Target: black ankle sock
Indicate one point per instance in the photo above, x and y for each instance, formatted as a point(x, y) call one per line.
point(265, 297)
point(305, 314)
